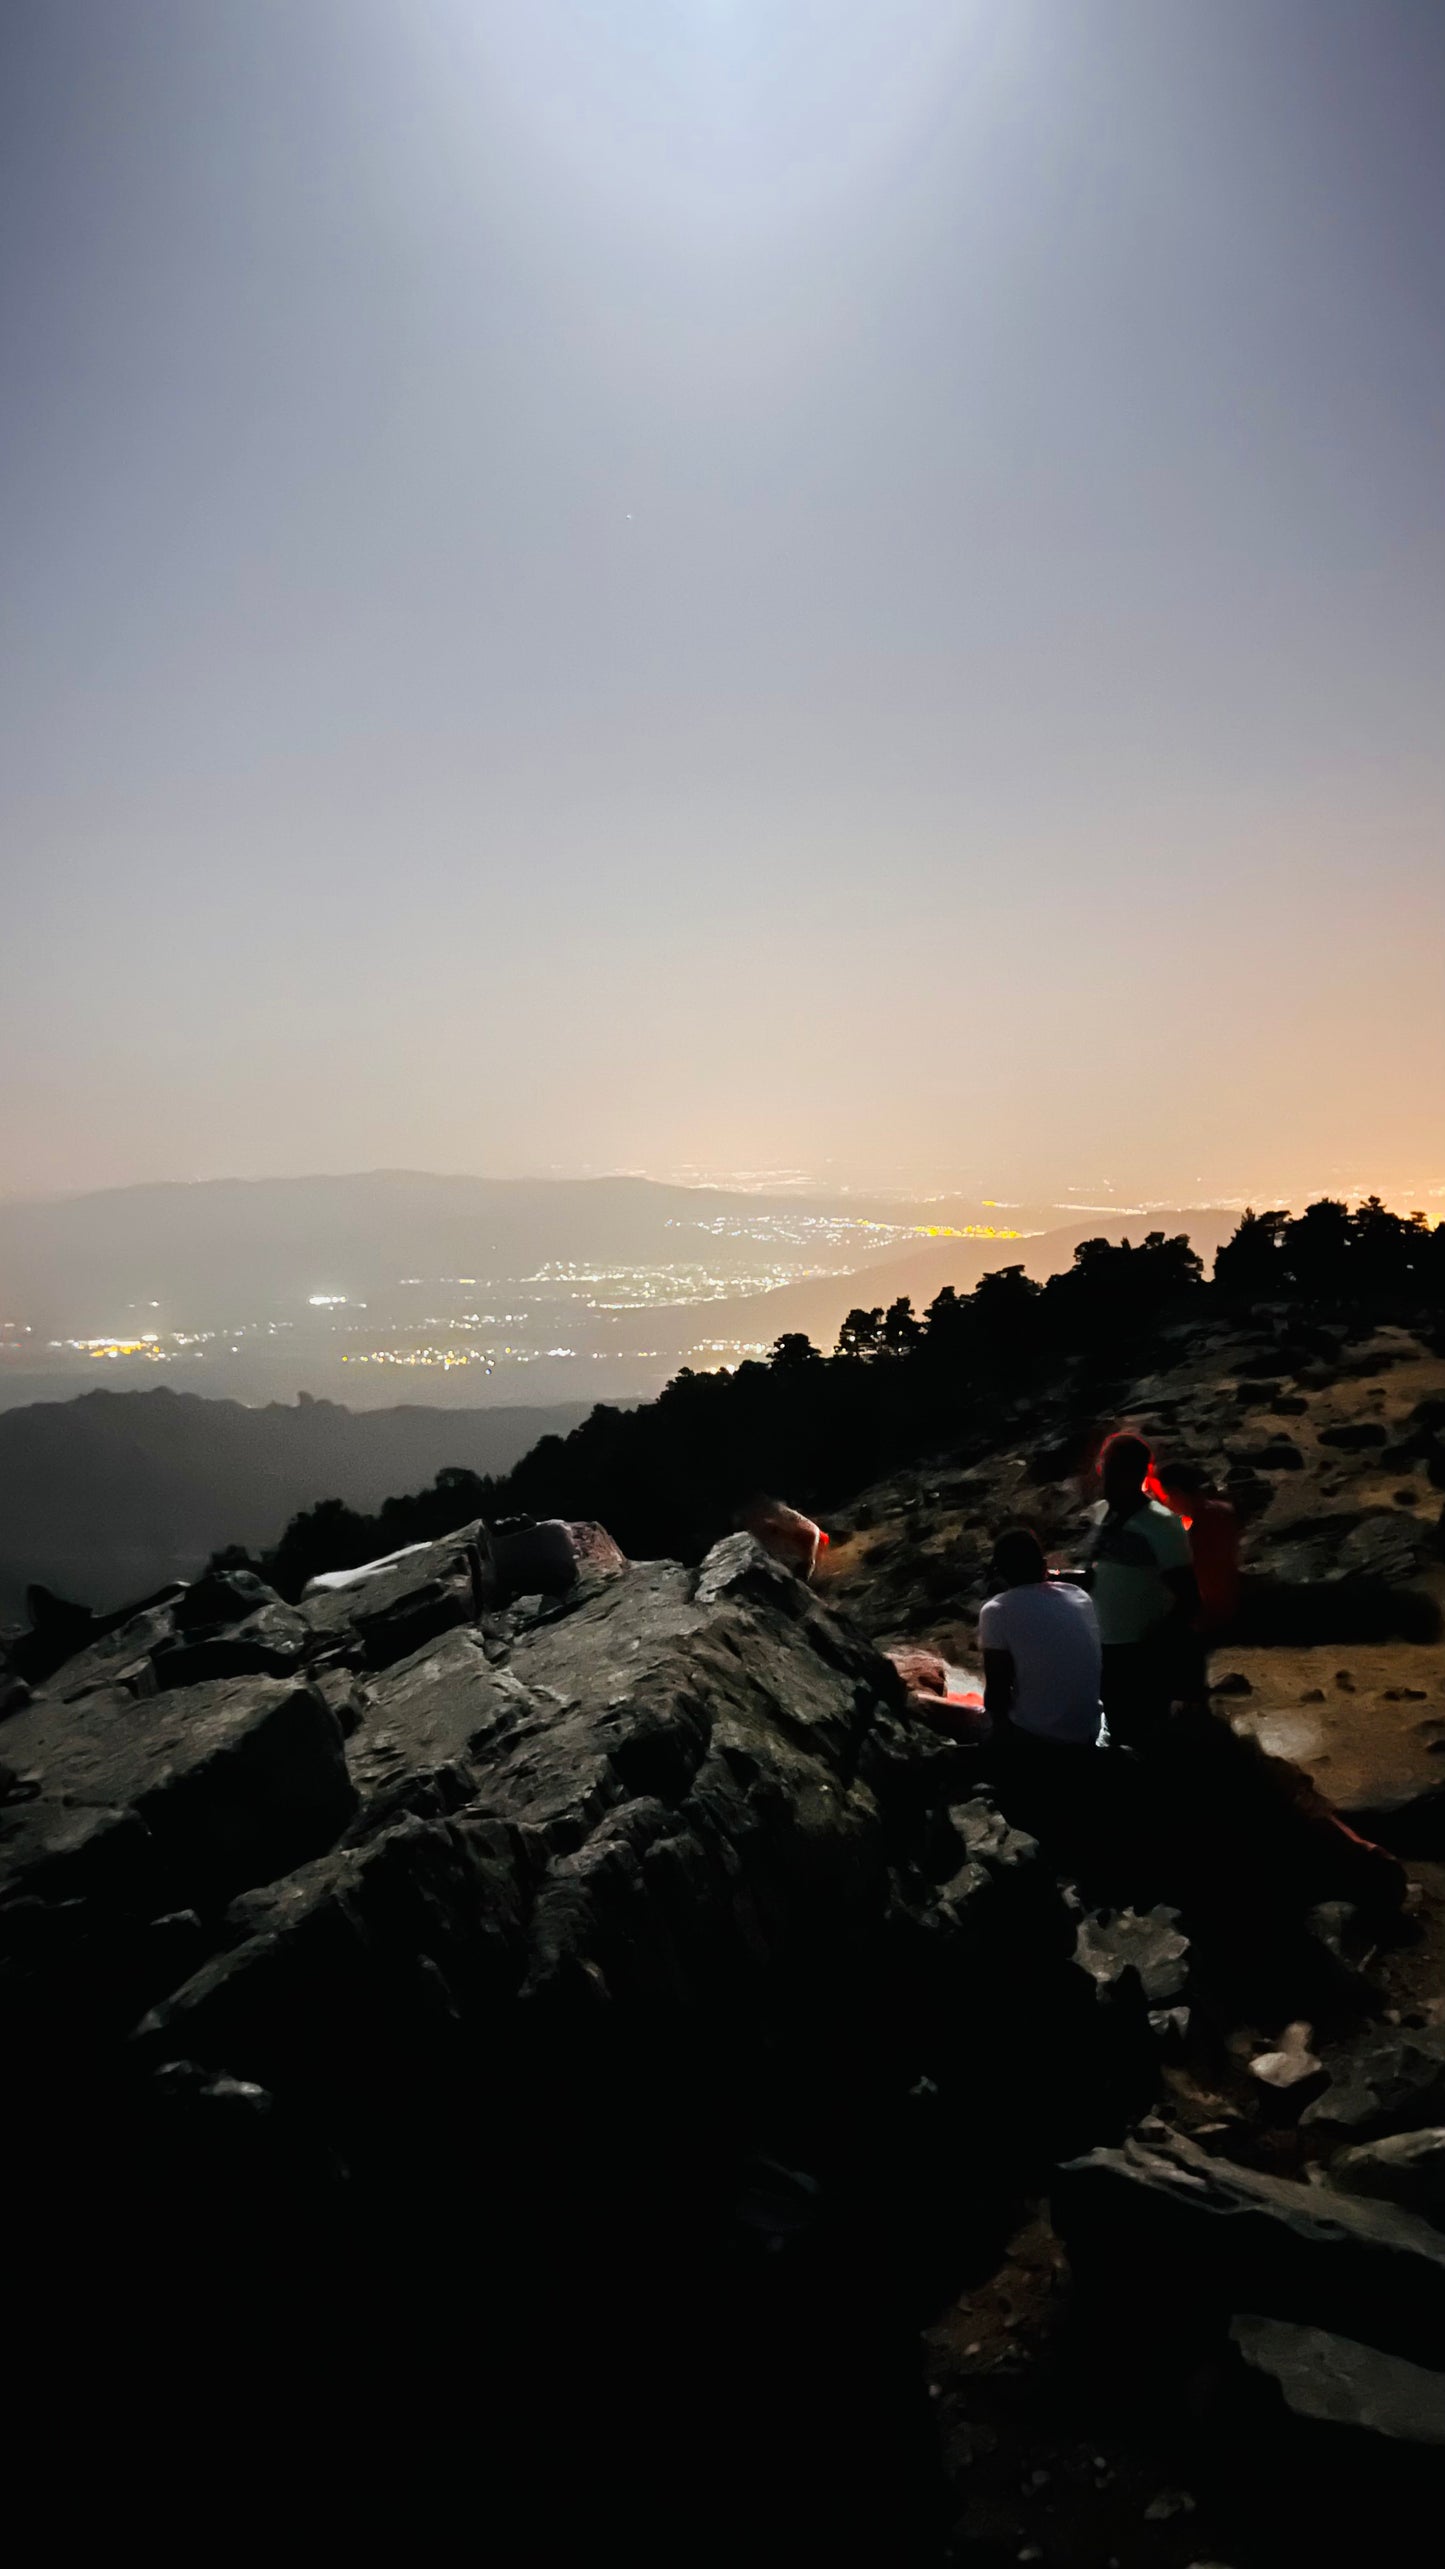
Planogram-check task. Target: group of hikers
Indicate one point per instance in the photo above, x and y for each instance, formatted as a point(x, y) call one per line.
point(1109, 1656)
point(1112, 1654)
point(1095, 1657)
point(1115, 1655)
point(1104, 1656)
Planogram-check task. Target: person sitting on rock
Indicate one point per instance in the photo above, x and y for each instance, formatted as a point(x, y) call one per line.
point(1141, 1578)
point(792, 1539)
point(1041, 1661)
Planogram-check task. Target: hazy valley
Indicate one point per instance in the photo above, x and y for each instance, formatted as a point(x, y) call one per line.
point(183, 1367)
point(471, 1291)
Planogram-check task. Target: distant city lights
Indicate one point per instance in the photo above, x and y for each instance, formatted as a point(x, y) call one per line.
point(837, 1229)
point(576, 1309)
point(448, 1358)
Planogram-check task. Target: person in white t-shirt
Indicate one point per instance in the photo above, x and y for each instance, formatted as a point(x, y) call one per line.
point(1041, 1662)
point(1041, 1649)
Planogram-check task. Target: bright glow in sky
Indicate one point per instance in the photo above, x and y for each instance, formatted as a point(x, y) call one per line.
point(850, 583)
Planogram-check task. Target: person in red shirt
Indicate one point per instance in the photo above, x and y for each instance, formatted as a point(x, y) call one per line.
point(1213, 1527)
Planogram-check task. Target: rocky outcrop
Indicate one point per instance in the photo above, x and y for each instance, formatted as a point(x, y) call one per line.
point(560, 2024)
point(485, 1980)
point(213, 1788)
point(1285, 2341)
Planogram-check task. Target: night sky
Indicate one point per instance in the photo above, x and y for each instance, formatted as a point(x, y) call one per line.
point(850, 586)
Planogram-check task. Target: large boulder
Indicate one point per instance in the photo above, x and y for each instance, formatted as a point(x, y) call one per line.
point(130, 1822)
point(1326, 2439)
point(549, 1558)
point(1407, 2168)
point(1344, 1543)
point(1167, 2243)
point(222, 1785)
point(1324, 2380)
point(1393, 2082)
point(438, 1710)
point(120, 1657)
point(384, 1610)
point(632, 1910)
point(1386, 1544)
point(275, 1641)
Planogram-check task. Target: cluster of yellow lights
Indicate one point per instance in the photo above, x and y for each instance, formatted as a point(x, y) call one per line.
point(149, 1345)
point(835, 1228)
point(952, 1231)
point(670, 1288)
point(449, 1358)
point(446, 1357)
point(157, 1346)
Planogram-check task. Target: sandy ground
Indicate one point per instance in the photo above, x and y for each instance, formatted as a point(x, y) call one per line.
point(1365, 1720)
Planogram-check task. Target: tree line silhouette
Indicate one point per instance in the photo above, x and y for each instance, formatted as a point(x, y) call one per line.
point(671, 1476)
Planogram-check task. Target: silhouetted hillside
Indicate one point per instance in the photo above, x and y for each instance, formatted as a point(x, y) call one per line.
point(115, 1492)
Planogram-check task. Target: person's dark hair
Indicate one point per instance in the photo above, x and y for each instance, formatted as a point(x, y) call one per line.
point(1120, 1454)
point(1189, 1479)
point(1018, 1558)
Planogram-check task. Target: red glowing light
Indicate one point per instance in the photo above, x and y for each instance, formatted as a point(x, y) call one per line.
point(1154, 1489)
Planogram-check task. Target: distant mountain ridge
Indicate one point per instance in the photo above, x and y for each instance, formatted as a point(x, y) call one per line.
point(239, 1247)
point(108, 1495)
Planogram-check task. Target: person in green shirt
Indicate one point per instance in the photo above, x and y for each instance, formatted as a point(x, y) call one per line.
point(1141, 1578)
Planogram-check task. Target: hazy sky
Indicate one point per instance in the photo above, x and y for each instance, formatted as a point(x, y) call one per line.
point(843, 584)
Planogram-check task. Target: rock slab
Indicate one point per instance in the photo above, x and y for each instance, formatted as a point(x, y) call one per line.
point(1167, 2244)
